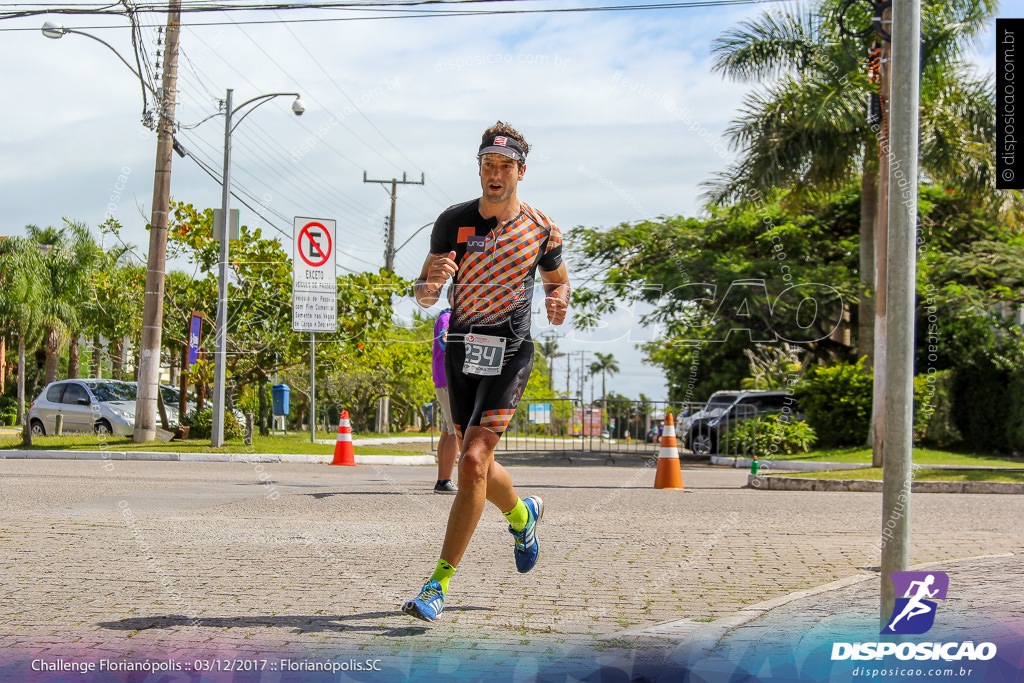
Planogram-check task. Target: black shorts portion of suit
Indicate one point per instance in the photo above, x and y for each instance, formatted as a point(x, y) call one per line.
point(494, 286)
point(488, 402)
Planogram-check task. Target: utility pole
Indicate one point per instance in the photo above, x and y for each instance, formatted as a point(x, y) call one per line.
point(877, 436)
point(153, 305)
point(581, 354)
point(899, 377)
point(389, 250)
point(384, 405)
point(568, 366)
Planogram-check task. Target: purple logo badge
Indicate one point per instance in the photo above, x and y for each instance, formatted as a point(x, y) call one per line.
point(913, 612)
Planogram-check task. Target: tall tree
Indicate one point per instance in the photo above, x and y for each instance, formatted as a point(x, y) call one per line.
point(808, 131)
point(68, 256)
point(21, 300)
point(86, 255)
point(548, 348)
point(111, 294)
point(604, 365)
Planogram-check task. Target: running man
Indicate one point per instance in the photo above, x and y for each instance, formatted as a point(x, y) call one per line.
point(914, 606)
point(491, 247)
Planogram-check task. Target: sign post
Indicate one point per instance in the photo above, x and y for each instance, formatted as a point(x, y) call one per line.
point(314, 291)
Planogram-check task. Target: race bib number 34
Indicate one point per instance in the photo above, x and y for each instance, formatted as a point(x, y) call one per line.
point(484, 355)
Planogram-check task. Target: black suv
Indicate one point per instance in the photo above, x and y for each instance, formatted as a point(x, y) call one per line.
point(727, 408)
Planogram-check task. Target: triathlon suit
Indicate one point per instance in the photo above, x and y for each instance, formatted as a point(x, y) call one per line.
point(493, 297)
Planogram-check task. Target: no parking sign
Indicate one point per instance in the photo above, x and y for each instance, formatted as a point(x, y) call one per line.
point(314, 277)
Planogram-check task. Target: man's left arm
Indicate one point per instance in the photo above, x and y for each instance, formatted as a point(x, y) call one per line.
point(556, 290)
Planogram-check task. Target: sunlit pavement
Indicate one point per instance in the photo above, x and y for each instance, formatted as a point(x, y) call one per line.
point(128, 558)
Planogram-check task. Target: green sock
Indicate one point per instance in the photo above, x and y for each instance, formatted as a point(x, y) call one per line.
point(443, 574)
point(518, 516)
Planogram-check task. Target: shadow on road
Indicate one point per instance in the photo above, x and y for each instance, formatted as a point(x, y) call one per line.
point(299, 623)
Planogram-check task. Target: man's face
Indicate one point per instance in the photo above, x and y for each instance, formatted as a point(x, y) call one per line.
point(499, 177)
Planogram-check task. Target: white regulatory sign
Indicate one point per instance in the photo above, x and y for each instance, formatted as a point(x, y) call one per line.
point(314, 276)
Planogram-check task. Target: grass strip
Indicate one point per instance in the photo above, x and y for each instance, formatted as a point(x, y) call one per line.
point(295, 444)
point(922, 456)
point(919, 474)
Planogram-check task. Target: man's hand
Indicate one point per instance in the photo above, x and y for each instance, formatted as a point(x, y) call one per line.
point(440, 270)
point(556, 285)
point(556, 307)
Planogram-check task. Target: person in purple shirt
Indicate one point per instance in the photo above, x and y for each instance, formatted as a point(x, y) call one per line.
point(447, 445)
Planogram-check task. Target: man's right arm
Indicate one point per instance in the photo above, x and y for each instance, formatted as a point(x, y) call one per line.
point(435, 272)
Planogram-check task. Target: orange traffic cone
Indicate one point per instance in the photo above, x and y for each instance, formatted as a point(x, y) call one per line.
point(344, 454)
point(669, 474)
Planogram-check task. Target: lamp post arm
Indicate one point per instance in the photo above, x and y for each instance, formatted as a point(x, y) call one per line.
point(114, 50)
point(418, 231)
point(264, 98)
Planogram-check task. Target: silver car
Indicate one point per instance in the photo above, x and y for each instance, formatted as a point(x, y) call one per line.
point(105, 406)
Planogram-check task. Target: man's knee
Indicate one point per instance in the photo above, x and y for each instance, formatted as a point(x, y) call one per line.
point(474, 464)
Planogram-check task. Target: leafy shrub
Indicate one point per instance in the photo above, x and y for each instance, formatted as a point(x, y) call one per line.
point(1015, 421)
point(8, 410)
point(8, 406)
point(982, 401)
point(770, 436)
point(200, 424)
point(933, 409)
point(836, 401)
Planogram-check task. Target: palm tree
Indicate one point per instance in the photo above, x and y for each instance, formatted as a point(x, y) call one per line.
point(605, 365)
point(21, 300)
point(549, 349)
point(114, 291)
point(86, 256)
point(63, 280)
point(808, 130)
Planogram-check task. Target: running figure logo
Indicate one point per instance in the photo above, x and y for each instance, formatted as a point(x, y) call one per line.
point(913, 614)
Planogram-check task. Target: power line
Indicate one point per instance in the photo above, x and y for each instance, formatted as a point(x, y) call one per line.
point(407, 13)
point(351, 101)
point(213, 174)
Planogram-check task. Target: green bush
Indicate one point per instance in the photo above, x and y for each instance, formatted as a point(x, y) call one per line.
point(1015, 422)
point(8, 410)
point(200, 424)
point(836, 401)
point(982, 406)
point(771, 436)
point(934, 410)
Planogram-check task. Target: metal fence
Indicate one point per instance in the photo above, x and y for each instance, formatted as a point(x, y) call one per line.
point(567, 428)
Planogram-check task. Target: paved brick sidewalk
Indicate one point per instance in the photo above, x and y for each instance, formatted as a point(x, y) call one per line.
point(985, 602)
point(202, 559)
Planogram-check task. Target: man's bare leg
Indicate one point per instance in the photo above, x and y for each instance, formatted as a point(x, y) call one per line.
point(480, 479)
point(447, 452)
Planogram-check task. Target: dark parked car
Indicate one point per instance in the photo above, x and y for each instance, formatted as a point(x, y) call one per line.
point(682, 417)
point(727, 408)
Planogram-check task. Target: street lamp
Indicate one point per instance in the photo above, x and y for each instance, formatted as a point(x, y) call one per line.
point(55, 31)
point(217, 436)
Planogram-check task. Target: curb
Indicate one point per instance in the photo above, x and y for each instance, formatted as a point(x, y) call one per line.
point(796, 465)
point(776, 483)
point(158, 456)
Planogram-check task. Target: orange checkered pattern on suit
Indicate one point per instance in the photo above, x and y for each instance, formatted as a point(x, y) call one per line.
point(496, 420)
point(493, 283)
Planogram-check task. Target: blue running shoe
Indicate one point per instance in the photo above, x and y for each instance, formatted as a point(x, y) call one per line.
point(527, 548)
point(428, 604)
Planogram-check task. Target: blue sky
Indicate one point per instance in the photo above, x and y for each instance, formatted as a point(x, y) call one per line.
point(624, 116)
